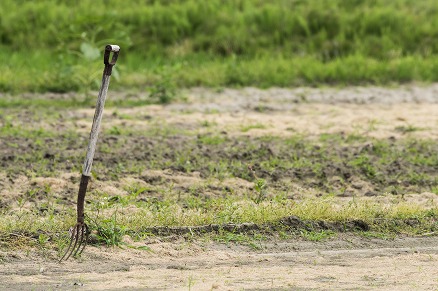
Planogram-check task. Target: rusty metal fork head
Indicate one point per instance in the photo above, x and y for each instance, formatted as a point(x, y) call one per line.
point(78, 240)
point(78, 233)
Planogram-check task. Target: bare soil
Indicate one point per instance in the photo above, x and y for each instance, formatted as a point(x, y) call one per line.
point(241, 119)
point(344, 263)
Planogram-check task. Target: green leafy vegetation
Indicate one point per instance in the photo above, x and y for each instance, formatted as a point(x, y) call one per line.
point(57, 45)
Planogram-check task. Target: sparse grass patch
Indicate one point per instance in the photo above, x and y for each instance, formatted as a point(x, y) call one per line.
point(211, 139)
point(247, 128)
point(317, 235)
point(407, 128)
point(253, 240)
point(114, 221)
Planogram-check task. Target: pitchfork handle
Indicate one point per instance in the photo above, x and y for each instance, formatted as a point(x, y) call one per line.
point(111, 48)
point(99, 106)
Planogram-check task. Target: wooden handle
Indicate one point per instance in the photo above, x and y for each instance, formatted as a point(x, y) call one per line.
point(100, 104)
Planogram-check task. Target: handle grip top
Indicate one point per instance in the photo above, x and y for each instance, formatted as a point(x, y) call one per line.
point(110, 48)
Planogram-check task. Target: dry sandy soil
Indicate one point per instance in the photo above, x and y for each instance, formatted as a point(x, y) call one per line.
point(345, 262)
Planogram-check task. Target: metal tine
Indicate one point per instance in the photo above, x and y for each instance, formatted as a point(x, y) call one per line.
point(83, 242)
point(69, 246)
point(74, 236)
point(87, 234)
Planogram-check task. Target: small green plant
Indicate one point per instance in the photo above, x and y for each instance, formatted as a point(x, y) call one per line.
point(316, 235)
point(259, 186)
point(115, 130)
point(164, 90)
point(363, 162)
point(109, 231)
point(42, 240)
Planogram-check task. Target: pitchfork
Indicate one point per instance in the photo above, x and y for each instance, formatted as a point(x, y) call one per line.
point(79, 233)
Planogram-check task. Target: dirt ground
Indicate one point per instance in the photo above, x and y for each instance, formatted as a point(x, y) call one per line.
point(345, 262)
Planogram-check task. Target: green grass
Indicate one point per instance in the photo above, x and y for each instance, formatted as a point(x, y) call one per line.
point(317, 235)
point(114, 219)
point(247, 128)
point(54, 46)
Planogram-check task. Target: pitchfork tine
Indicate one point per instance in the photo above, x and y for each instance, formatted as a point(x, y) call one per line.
point(84, 239)
point(69, 246)
point(76, 238)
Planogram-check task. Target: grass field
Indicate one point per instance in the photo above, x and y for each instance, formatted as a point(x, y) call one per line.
point(56, 46)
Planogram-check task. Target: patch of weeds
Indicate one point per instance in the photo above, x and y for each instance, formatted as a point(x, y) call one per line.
point(211, 139)
point(418, 178)
point(247, 128)
point(124, 116)
point(355, 138)
point(43, 239)
point(194, 202)
point(330, 137)
point(164, 90)
point(251, 240)
point(407, 128)
point(115, 130)
point(316, 235)
point(219, 169)
point(284, 235)
point(134, 191)
point(108, 230)
point(207, 123)
point(379, 235)
point(372, 124)
point(363, 163)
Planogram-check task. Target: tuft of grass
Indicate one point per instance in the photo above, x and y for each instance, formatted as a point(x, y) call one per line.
point(406, 129)
point(317, 235)
point(247, 128)
point(211, 139)
point(253, 240)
